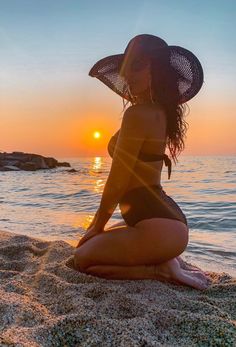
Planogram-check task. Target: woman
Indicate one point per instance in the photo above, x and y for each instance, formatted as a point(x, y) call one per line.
point(156, 78)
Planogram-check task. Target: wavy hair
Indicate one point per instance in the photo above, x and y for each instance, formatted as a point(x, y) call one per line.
point(164, 89)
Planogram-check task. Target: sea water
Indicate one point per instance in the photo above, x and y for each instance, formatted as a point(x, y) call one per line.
point(57, 204)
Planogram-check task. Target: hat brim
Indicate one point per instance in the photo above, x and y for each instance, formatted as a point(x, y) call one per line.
point(185, 63)
point(107, 71)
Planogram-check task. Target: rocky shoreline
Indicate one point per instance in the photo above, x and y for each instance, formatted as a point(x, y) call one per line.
point(17, 161)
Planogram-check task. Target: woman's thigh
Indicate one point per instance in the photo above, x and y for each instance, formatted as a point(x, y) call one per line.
point(150, 241)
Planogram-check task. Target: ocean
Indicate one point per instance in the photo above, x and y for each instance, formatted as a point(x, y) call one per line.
point(56, 204)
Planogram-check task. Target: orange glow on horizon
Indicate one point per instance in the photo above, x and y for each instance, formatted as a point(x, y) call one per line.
point(58, 124)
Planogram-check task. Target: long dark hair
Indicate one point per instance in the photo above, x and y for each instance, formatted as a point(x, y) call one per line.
point(164, 89)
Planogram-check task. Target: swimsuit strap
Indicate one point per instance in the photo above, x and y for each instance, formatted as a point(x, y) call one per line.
point(153, 157)
point(167, 163)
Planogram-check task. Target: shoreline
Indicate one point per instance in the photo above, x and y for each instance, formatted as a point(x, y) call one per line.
point(44, 302)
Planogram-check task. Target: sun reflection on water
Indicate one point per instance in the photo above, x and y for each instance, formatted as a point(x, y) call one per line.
point(98, 185)
point(97, 163)
point(97, 166)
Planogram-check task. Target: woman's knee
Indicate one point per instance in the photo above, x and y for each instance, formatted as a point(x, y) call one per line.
point(80, 260)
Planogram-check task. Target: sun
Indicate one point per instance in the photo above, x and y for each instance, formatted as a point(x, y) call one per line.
point(96, 134)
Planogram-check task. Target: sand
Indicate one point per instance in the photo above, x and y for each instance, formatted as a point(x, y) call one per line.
point(44, 302)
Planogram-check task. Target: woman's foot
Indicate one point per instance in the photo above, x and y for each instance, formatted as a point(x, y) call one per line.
point(184, 265)
point(172, 272)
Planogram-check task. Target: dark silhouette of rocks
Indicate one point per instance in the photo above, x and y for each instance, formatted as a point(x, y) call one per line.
point(72, 170)
point(16, 161)
point(63, 164)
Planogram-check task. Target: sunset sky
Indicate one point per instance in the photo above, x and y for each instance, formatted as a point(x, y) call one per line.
point(50, 106)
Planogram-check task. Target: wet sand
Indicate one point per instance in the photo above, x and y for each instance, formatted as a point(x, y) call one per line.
point(45, 302)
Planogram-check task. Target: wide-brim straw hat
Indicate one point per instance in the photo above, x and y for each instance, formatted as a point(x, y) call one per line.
point(186, 66)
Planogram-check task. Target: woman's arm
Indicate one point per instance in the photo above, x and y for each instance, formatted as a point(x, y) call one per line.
point(129, 142)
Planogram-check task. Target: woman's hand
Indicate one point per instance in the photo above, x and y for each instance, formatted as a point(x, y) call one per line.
point(91, 232)
point(96, 226)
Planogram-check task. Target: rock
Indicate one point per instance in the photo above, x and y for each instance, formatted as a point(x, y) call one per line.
point(9, 168)
point(28, 166)
point(11, 162)
point(63, 164)
point(27, 161)
point(51, 162)
point(39, 161)
point(72, 170)
point(21, 157)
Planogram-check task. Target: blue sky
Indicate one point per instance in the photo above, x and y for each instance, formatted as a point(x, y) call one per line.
point(72, 35)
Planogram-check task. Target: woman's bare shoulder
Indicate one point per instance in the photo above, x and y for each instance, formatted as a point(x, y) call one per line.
point(148, 114)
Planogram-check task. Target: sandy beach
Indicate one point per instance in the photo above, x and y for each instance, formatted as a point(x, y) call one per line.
point(44, 302)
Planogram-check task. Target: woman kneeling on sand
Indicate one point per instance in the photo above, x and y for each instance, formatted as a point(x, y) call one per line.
point(156, 78)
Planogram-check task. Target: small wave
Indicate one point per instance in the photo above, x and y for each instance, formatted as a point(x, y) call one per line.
point(223, 253)
point(50, 195)
point(21, 189)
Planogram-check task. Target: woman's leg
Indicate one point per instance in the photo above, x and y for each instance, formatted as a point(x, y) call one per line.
point(169, 271)
point(154, 241)
point(182, 263)
point(126, 252)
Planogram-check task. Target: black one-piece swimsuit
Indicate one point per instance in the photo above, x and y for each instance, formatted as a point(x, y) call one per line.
point(148, 201)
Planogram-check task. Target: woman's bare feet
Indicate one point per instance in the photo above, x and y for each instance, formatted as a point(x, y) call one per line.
point(184, 265)
point(171, 271)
